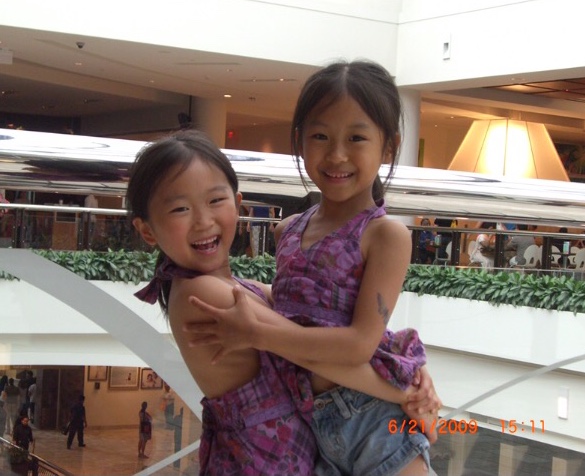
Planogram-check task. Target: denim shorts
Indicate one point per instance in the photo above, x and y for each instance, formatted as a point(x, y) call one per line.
point(352, 434)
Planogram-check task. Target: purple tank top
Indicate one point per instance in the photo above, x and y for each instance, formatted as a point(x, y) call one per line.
point(319, 287)
point(326, 276)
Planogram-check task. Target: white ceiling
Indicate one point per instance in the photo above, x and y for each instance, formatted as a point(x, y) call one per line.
point(50, 75)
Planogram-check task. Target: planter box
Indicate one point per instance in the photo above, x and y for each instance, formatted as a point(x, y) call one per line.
point(522, 334)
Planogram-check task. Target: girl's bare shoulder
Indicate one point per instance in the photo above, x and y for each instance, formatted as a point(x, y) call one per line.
point(386, 229)
point(211, 289)
point(215, 291)
point(281, 225)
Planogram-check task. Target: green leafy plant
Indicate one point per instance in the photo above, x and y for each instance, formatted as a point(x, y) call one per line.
point(138, 266)
point(261, 268)
point(125, 266)
point(561, 293)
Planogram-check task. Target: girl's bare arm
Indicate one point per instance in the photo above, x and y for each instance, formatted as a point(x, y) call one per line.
point(384, 242)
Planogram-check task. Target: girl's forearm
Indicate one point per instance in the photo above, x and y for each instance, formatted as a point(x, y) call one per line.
point(362, 378)
point(328, 345)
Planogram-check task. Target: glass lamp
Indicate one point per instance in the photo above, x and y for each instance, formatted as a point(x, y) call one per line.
point(510, 148)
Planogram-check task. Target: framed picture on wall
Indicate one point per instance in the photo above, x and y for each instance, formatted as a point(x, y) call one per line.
point(97, 373)
point(150, 380)
point(123, 378)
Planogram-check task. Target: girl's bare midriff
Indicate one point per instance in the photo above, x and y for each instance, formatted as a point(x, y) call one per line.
point(321, 384)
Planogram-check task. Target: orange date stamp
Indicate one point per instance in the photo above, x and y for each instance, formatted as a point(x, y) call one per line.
point(441, 426)
point(527, 426)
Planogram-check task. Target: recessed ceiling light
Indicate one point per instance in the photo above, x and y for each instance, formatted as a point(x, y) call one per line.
point(227, 95)
point(78, 64)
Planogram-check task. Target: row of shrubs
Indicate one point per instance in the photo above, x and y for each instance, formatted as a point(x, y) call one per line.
point(562, 293)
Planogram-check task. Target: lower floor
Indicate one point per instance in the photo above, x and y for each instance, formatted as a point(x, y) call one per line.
point(111, 452)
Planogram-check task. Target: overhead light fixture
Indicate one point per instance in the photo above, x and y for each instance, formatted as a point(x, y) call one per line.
point(510, 148)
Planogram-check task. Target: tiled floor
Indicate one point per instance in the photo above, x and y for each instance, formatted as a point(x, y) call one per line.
point(109, 453)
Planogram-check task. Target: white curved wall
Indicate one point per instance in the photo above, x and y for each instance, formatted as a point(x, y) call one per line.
point(97, 308)
point(39, 328)
point(294, 31)
point(472, 348)
point(489, 38)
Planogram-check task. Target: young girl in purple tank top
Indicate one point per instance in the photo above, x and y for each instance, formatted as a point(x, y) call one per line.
point(340, 269)
point(183, 199)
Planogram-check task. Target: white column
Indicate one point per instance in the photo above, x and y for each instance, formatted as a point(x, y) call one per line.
point(565, 467)
point(510, 458)
point(190, 432)
point(410, 100)
point(209, 116)
point(460, 447)
point(410, 134)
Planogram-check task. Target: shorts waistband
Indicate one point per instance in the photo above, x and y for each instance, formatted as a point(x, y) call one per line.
point(340, 397)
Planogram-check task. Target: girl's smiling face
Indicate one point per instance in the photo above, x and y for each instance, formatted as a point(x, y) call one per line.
point(343, 149)
point(192, 217)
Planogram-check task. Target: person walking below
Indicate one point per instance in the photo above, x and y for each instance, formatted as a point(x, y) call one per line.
point(11, 394)
point(2, 418)
point(144, 429)
point(32, 396)
point(168, 405)
point(77, 423)
point(23, 435)
point(23, 384)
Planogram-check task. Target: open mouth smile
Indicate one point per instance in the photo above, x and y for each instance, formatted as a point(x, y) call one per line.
point(209, 244)
point(337, 175)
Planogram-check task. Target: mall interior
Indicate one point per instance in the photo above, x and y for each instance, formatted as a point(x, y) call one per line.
point(234, 68)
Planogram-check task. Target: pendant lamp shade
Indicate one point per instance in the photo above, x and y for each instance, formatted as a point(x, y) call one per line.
point(510, 148)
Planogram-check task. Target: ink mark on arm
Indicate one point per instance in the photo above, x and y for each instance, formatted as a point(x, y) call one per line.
point(383, 310)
